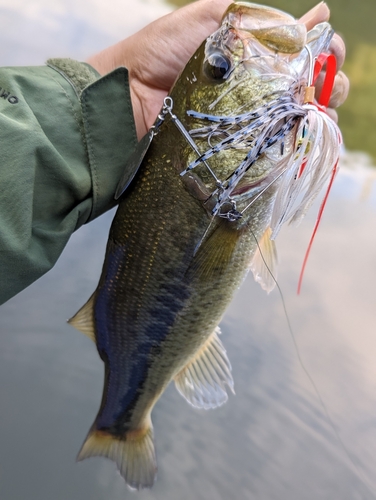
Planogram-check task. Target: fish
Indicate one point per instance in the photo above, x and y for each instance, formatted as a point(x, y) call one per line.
point(217, 175)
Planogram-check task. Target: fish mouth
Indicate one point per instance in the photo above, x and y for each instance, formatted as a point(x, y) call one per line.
point(274, 29)
point(249, 32)
point(240, 197)
point(255, 187)
point(240, 190)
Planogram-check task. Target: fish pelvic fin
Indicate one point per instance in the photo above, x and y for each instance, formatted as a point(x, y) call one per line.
point(133, 453)
point(265, 261)
point(83, 320)
point(202, 381)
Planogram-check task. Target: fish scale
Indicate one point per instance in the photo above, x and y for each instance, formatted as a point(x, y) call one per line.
point(171, 261)
point(171, 265)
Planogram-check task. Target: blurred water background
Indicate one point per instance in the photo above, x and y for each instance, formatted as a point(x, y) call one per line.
point(273, 439)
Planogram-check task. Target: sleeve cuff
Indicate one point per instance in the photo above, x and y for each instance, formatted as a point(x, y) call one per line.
point(108, 124)
point(110, 135)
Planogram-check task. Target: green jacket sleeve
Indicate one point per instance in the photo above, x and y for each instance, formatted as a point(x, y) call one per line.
point(65, 136)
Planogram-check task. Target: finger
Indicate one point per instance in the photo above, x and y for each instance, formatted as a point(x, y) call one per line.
point(340, 88)
point(210, 12)
point(200, 18)
point(168, 43)
point(338, 48)
point(318, 14)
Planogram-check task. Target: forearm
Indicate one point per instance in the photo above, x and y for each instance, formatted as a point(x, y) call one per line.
point(64, 147)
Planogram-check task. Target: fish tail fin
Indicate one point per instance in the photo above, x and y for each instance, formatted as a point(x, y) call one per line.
point(133, 453)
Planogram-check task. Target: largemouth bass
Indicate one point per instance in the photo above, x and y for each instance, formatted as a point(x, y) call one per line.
point(223, 171)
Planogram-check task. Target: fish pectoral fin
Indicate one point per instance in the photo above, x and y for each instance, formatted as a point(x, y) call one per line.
point(264, 262)
point(215, 252)
point(83, 320)
point(134, 454)
point(202, 381)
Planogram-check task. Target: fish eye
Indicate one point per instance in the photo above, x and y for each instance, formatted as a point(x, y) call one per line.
point(216, 66)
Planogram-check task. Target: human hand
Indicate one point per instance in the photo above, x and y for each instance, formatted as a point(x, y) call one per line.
point(156, 55)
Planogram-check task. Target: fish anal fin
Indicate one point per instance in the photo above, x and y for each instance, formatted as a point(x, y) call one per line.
point(264, 262)
point(83, 320)
point(134, 454)
point(202, 381)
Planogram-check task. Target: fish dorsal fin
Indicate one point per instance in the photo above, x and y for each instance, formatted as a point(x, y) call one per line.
point(264, 262)
point(133, 453)
point(83, 320)
point(202, 381)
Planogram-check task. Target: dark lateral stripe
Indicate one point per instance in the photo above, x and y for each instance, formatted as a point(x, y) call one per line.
point(127, 375)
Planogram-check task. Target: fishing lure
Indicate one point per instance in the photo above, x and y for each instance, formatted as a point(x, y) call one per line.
point(313, 162)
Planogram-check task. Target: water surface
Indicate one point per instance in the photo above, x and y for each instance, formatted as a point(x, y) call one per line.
point(271, 440)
